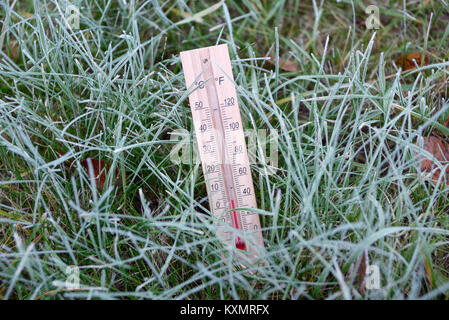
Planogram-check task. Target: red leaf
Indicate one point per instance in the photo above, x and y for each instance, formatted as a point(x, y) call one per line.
point(100, 170)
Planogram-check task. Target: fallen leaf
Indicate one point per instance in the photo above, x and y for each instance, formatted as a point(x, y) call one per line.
point(446, 123)
point(14, 50)
point(407, 62)
point(440, 150)
point(199, 15)
point(187, 15)
point(284, 64)
point(429, 271)
point(359, 267)
point(26, 14)
point(100, 170)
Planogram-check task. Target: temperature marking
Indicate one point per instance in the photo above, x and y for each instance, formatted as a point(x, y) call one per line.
point(222, 147)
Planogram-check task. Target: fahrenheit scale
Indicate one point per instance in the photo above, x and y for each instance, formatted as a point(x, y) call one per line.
point(222, 146)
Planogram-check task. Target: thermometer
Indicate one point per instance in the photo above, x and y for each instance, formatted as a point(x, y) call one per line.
point(222, 147)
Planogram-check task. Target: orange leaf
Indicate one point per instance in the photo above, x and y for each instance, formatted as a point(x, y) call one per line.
point(100, 170)
point(407, 62)
point(440, 150)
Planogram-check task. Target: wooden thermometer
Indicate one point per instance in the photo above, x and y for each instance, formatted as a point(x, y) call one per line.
point(222, 146)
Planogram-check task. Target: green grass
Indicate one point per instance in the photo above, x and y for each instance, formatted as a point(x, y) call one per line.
point(347, 182)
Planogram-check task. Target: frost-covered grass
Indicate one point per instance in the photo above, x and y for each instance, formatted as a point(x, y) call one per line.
point(348, 127)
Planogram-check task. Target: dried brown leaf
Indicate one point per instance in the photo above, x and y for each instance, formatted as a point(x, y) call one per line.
point(440, 150)
point(284, 64)
point(407, 62)
point(359, 269)
point(14, 50)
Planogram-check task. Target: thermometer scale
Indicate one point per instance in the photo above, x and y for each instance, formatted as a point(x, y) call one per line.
point(222, 146)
